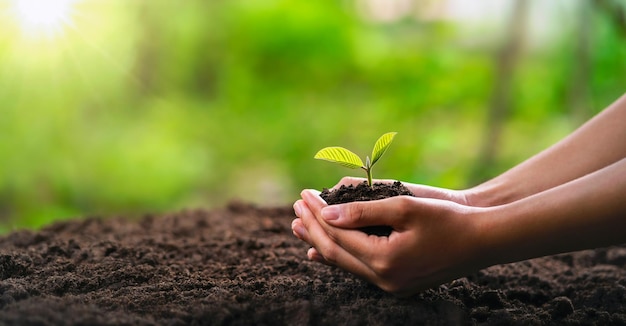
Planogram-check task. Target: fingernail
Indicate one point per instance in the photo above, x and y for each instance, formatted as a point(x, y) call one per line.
point(312, 192)
point(297, 209)
point(312, 196)
point(312, 254)
point(330, 213)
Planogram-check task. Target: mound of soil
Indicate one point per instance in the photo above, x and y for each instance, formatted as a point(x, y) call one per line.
point(363, 192)
point(240, 265)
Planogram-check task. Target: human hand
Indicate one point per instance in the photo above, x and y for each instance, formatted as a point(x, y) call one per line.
point(433, 241)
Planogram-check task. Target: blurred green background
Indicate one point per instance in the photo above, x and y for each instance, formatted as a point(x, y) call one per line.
point(131, 107)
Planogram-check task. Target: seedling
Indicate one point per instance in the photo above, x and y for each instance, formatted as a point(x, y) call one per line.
point(347, 158)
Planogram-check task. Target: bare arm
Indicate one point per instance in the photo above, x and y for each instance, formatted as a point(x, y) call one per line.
point(586, 213)
point(598, 143)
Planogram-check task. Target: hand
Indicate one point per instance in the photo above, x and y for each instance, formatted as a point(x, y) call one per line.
point(458, 196)
point(433, 241)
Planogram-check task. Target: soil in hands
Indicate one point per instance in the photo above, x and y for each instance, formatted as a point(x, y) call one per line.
point(241, 265)
point(363, 192)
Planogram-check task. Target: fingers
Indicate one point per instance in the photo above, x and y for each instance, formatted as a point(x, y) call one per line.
point(347, 236)
point(313, 200)
point(300, 231)
point(314, 255)
point(388, 212)
point(325, 249)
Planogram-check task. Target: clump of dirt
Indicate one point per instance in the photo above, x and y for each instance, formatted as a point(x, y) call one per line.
point(363, 192)
point(240, 265)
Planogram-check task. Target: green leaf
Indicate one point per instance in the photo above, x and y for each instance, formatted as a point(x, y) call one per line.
point(381, 145)
point(340, 155)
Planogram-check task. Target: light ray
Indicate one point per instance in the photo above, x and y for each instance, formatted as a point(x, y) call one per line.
point(42, 18)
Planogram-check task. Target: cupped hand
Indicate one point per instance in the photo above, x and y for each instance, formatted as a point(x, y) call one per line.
point(433, 241)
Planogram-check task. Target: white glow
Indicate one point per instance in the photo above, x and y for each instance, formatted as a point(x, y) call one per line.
point(385, 11)
point(45, 18)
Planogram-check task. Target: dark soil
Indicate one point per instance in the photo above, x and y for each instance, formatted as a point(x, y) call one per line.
point(241, 265)
point(363, 192)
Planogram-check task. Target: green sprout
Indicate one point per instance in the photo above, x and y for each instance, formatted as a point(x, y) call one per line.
point(347, 158)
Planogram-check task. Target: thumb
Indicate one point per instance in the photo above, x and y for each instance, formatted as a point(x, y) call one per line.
point(364, 213)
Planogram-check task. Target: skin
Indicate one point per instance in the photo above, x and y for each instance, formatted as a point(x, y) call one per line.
point(569, 197)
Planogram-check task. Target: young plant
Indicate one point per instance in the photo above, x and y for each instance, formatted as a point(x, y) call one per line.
point(347, 158)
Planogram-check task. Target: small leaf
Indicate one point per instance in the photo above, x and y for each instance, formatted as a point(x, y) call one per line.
point(381, 145)
point(340, 155)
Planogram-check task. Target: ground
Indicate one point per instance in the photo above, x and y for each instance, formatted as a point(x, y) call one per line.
point(241, 265)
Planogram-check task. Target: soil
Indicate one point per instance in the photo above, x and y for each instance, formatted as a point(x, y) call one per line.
point(241, 265)
point(363, 192)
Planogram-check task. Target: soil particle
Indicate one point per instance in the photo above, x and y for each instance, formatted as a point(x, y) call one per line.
point(561, 307)
point(240, 265)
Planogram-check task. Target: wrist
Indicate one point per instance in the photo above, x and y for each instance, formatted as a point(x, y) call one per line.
point(473, 243)
point(492, 193)
point(491, 238)
point(480, 196)
point(519, 230)
point(485, 241)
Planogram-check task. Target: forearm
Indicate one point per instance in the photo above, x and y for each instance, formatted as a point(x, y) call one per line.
point(586, 213)
point(598, 143)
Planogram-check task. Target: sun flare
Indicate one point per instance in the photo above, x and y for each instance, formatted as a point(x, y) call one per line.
point(43, 18)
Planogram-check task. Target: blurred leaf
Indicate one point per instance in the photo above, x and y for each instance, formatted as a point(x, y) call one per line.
point(127, 111)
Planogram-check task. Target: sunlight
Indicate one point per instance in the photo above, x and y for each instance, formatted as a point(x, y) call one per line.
point(43, 18)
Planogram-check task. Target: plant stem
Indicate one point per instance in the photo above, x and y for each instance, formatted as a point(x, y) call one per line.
point(368, 171)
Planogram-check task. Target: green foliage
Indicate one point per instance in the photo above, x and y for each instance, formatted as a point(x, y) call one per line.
point(348, 159)
point(135, 109)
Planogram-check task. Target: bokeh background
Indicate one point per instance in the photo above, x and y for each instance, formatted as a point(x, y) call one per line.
point(130, 107)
